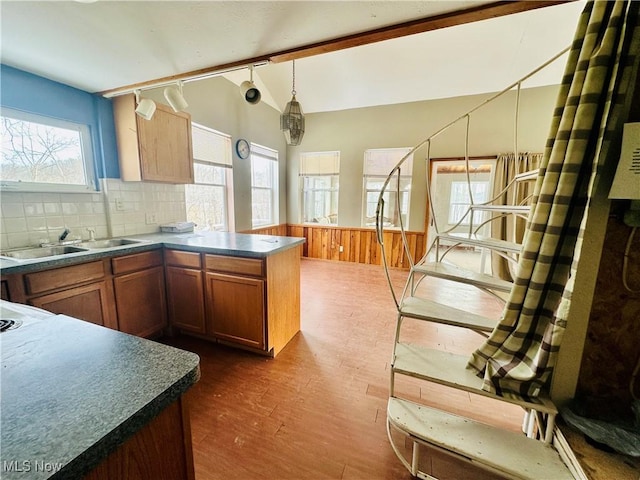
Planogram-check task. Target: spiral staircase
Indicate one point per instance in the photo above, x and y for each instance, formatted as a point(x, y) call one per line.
point(416, 427)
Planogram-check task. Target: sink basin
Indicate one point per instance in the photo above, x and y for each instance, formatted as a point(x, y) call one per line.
point(110, 242)
point(41, 252)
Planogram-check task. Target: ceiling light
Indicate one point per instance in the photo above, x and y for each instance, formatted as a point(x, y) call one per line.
point(292, 119)
point(175, 98)
point(249, 90)
point(145, 107)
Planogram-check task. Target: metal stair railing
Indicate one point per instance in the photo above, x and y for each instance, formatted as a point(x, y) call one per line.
point(380, 227)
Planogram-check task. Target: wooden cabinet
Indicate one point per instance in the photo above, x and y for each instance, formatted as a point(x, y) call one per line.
point(236, 309)
point(185, 291)
point(254, 302)
point(81, 291)
point(161, 449)
point(90, 302)
point(139, 289)
point(157, 150)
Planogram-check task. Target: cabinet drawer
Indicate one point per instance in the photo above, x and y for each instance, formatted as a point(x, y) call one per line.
point(39, 282)
point(243, 266)
point(178, 258)
point(137, 261)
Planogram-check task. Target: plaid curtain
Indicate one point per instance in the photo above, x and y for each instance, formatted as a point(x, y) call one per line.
point(601, 74)
point(510, 227)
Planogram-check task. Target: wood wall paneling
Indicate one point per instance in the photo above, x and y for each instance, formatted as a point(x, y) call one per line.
point(359, 245)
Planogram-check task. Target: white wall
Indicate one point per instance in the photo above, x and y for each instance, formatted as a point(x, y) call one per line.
point(406, 125)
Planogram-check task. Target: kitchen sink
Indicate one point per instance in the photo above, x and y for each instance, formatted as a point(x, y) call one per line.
point(41, 252)
point(109, 242)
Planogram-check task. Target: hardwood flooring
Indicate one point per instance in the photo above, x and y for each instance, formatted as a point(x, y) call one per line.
point(318, 410)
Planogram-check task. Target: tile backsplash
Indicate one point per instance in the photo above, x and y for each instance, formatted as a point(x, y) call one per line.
point(120, 208)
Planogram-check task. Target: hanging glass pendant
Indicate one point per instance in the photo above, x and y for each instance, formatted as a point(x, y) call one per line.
point(292, 119)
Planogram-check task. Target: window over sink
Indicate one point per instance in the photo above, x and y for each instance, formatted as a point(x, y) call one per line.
point(44, 154)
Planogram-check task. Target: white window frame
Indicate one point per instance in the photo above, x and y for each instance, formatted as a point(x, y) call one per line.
point(314, 165)
point(268, 154)
point(378, 164)
point(205, 153)
point(86, 147)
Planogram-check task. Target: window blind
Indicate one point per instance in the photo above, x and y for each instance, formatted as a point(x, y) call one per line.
point(210, 146)
point(380, 161)
point(265, 152)
point(320, 163)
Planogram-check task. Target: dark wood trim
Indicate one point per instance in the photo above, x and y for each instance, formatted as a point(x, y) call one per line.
point(450, 19)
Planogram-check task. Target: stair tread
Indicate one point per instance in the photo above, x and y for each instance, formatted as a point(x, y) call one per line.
point(527, 176)
point(482, 241)
point(502, 208)
point(510, 453)
point(450, 369)
point(429, 310)
point(458, 274)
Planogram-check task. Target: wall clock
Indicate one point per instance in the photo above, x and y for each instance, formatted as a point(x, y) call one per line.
point(243, 149)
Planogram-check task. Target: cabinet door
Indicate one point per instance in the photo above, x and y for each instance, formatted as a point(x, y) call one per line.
point(90, 303)
point(165, 146)
point(140, 301)
point(185, 298)
point(236, 311)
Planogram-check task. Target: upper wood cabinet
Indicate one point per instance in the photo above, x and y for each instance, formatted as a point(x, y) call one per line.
point(156, 150)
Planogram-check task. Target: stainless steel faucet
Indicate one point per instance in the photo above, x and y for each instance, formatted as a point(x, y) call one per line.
point(64, 235)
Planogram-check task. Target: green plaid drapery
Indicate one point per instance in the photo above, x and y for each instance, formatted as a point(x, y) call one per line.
point(518, 357)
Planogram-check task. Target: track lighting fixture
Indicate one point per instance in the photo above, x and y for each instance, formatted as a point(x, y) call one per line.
point(145, 106)
point(174, 96)
point(249, 90)
point(292, 119)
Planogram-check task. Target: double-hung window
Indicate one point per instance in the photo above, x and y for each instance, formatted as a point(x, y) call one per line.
point(209, 198)
point(264, 186)
point(45, 154)
point(319, 173)
point(378, 164)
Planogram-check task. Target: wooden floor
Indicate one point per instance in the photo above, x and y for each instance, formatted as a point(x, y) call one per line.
point(318, 410)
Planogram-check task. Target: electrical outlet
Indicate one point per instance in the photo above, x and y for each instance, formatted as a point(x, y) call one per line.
point(341, 249)
point(151, 218)
point(119, 204)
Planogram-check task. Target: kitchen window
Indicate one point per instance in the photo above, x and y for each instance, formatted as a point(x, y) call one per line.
point(209, 198)
point(319, 173)
point(378, 164)
point(264, 186)
point(43, 154)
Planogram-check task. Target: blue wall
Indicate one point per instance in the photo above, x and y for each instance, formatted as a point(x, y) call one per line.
point(30, 93)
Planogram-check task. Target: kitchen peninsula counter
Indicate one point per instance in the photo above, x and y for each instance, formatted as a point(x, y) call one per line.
point(74, 393)
point(218, 243)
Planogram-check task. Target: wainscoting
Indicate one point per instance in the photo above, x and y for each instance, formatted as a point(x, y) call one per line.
point(346, 244)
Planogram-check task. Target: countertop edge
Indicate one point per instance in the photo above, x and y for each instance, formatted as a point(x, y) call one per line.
point(10, 267)
point(94, 455)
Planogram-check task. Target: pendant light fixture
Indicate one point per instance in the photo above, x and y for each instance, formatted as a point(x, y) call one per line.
point(292, 119)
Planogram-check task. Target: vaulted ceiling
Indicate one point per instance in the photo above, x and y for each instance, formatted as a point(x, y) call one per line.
point(105, 45)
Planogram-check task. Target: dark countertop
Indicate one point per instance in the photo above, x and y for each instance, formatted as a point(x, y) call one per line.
point(73, 391)
point(220, 243)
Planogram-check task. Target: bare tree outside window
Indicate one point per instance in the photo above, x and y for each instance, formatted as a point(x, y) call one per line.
point(39, 153)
